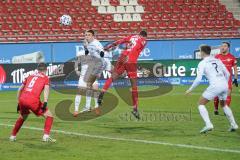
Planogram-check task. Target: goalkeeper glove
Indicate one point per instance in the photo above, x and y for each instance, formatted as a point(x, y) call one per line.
point(44, 106)
point(235, 82)
point(18, 108)
point(102, 54)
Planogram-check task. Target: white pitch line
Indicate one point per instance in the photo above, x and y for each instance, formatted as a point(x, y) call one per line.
point(132, 140)
point(167, 94)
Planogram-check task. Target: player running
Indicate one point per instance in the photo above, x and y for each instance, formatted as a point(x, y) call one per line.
point(92, 64)
point(230, 62)
point(28, 97)
point(217, 75)
point(127, 62)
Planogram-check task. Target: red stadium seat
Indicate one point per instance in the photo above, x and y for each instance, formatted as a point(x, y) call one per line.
point(210, 24)
point(179, 2)
point(165, 17)
point(25, 27)
point(172, 25)
point(186, 9)
point(5, 27)
point(175, 16)
point(15, 27)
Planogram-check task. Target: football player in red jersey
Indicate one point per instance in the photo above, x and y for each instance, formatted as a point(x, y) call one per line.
point(230, 62)
point(127, 61)
point(28, 97)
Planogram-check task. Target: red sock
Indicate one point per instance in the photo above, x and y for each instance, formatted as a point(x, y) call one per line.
point(107, 84)
point(228, 101)
point(17, 126)
point(216, 101)
point(48, 125)
point(135, 97)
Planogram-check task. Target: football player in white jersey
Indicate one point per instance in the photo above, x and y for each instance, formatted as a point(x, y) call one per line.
point(217, 75)
point(92, 64)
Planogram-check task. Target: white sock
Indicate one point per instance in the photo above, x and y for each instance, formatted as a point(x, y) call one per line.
point(204, 114)
point(77, 102)
point(88, 99)
point(45, 136)
point(96, 99)
point(227, 110)
point(96, 102)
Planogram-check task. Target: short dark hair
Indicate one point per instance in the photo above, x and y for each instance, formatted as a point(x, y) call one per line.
point(227, 44)
point(91, 31)
point(42, 66)
point(206, 49)
point(143, 33)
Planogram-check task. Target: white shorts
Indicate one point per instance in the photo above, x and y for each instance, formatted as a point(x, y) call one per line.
point(107, 64)
point(82, 80)
point(220, 91)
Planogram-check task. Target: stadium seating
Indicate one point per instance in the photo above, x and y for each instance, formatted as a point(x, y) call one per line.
point(161, 18)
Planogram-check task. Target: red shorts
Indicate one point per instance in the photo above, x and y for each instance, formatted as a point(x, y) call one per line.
point(27, 104)
point(130, 68)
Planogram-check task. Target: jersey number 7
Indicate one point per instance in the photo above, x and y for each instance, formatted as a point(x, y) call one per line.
point(216, 66)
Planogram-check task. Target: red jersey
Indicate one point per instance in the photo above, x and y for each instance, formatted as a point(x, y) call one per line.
point(135, 45)
point(228, 60)
point(34, 85)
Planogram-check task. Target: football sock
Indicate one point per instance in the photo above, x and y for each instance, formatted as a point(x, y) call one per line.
point(17, 126)
point(107, 84)
point(135, 97)
point(48, 125)
point(88, 98)
point(227, 110)
point(204, 114)
point(228, 101)
point(96, 99)
point(77, 102)
point(216, 102)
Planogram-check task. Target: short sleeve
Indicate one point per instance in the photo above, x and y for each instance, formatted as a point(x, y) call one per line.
point(25, 81)
point(47, 81)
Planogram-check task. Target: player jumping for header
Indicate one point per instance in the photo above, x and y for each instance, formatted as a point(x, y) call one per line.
point(127, 61)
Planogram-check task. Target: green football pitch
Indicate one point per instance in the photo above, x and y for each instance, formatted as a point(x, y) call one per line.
point(169, 129)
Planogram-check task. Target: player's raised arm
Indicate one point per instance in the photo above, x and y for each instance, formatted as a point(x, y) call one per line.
point(118, 42)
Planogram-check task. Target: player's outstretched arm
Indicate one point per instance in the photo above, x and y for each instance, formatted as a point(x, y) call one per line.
point(198, 78)
point(116, 43)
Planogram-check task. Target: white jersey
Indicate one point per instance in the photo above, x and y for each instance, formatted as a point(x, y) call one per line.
point(94, 48)
point(214, 70)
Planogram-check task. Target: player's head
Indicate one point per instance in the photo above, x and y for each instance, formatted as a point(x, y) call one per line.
point(225, 47)
point(42, 67)
point(89, 35)
point(143, 34)
point(205, 50)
